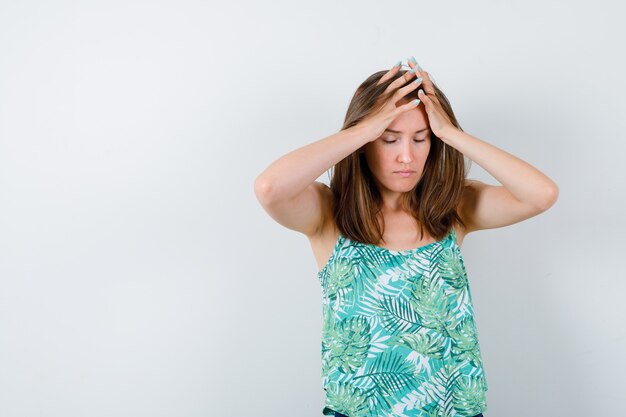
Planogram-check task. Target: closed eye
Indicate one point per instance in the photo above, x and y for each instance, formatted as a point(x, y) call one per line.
point(392, 141)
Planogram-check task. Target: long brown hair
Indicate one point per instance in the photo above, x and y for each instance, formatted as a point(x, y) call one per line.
point(434, 200)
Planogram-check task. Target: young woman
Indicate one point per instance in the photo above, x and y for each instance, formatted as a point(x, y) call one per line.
point(399, 336)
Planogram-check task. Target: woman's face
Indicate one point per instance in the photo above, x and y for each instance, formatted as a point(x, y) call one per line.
point(404, 146)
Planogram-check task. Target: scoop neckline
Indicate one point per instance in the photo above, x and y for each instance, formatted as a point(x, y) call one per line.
point(402, 252)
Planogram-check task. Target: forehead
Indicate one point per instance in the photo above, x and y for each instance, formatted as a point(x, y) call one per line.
point(410, 121)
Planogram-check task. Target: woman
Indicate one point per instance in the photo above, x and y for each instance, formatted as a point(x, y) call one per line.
point(399, 336)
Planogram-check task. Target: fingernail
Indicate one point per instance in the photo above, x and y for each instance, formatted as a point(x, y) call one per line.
point(416, 101)
point(417, 66)
point(417, 80)
point(398, 64)
point(412, 70)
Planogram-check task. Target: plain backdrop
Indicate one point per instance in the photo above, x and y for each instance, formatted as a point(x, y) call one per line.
point(139, 275)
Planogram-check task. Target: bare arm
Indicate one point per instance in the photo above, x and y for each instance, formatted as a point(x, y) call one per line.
point(287, 189)
point(525, 191)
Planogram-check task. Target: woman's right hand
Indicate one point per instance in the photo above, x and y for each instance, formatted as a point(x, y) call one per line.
point(377, 121)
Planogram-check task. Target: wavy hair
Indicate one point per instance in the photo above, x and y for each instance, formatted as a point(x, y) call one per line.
point(433, 202)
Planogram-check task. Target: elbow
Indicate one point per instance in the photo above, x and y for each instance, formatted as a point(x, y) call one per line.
point(550, 197)
point(262, 189)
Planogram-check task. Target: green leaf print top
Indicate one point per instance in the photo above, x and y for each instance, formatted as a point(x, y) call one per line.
point(398, 335)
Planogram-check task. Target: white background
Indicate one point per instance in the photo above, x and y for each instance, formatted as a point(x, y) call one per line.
point(139, 276)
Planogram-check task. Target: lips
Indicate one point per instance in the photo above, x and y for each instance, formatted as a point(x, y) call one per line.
point(405, 172)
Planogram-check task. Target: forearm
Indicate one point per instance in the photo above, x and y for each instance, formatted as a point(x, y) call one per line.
point(524, 182)
point(292, 173)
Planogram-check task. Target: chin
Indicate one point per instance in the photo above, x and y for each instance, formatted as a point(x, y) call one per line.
point(404, 188)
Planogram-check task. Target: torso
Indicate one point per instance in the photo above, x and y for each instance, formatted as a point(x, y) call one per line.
point(400, 232)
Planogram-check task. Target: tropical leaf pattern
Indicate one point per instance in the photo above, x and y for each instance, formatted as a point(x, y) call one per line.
point(398, 334)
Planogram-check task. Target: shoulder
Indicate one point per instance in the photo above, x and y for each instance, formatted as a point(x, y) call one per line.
point(323, 241)
point(326, 198)
point(471, 184)
point(471, 189)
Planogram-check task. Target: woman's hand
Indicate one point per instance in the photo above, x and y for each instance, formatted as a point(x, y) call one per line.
point(438, 119)
point(377, 121)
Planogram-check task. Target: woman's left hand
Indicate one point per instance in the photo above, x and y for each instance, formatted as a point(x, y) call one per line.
point(440, 123)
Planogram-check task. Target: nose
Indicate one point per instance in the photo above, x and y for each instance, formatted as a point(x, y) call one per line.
point(405, 153)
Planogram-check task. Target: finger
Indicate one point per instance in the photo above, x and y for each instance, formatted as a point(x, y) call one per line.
point(399, 81)
point(401, 92)
point(415, 69)
point(427, 100)
point(408, 106)
point(393, 71)
point(429, 88)
point(415, 66)
point(427, 83)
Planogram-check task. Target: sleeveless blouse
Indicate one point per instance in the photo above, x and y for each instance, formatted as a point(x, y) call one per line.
point(398, 335)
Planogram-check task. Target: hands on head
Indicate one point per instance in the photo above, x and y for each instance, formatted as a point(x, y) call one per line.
point(387, 111)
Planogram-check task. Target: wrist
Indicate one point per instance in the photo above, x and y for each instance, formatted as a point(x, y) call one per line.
point(364, 133)
point(450, 134)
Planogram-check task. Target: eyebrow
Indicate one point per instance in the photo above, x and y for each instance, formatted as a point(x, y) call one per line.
point(396, 131)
